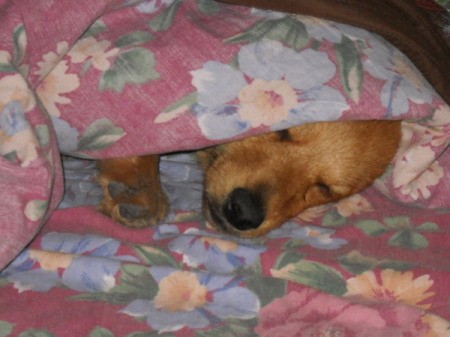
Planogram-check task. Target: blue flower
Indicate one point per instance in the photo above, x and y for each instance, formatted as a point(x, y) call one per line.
point(165, 231)
point(153, 6)
point(12, 118)
point(217, 84)
point(67, 136)
point(403, 82)
point(272, 85)
point(215, 252)
point(92, 272)
point(194, 300)
point(316, 237)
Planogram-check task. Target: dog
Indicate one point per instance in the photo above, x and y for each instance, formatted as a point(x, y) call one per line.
point(252, 186)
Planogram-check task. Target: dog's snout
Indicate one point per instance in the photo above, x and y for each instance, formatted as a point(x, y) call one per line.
point(244, 209)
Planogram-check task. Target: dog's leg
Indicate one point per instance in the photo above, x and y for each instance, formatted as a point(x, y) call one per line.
point(132, 192)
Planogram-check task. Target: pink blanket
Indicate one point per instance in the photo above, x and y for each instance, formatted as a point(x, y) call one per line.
point(107, 78)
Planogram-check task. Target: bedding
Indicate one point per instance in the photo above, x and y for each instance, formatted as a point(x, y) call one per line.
point(110, 78)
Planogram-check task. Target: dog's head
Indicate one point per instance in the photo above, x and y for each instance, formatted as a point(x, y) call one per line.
point(252, 186)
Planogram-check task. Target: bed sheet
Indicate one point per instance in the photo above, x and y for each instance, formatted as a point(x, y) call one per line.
point(124, 78)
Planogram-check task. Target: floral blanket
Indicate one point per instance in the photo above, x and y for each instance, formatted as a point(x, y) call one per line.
point(97, 79)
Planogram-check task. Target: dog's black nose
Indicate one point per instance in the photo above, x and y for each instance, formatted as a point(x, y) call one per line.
point(244, 209)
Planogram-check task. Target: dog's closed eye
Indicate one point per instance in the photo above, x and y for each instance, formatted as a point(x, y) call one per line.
point(324, 189)
point(318, 192)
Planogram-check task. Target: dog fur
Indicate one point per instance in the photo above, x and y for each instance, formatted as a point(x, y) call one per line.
point(253, 185)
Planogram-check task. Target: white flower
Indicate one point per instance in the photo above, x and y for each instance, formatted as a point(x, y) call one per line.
point(266, 103)
point(416, 171)
point(51, 59)
point(355, 204)
point(56, 83)
point(404, 82)
point(95, 51)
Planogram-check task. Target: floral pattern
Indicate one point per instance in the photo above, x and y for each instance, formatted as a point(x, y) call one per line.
point(272, 80)
point(403, 84)
point(394, 285)
point(309, 313)
point(112, 84)
point(214, 252)
point(195, 301)
point(196, 281)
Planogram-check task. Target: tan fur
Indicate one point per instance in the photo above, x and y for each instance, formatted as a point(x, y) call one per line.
point(140, 175)
point(314, 164)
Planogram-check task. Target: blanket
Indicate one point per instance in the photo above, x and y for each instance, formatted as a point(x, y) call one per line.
point(119, 78)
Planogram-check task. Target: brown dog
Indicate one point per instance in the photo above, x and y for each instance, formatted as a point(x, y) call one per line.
point(253, 185)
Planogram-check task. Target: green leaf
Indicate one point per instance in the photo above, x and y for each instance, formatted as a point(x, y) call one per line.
point(43, 134)
point(208, 6)
point(293, 244)
point(164, 20)
point(135, 66)
point(96, 28)
point(99, 135)
point(6, 328)
point(356, 263)
point(177, 108)
point(20, 42)
point(23, 70)
point(254, 33)
point(288, 30)
point(315, 275)
point(371, 227)
point(36, 333)
point(315, 44)
point(408, 239)
point(398, 222)
point(150, 334)
point(350, 67)
point(156, 257)
point(266, 288)
point(428, 227)
point(333, 219)
point(4, 282)
point(135, 283)
point(7, 68)
point(11, 156)
point(100, 332)
point(133, 39)
point(396, 265)
point(287, 258)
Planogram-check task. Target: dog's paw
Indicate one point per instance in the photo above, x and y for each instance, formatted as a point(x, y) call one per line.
point(132, 192)
point(134, 206)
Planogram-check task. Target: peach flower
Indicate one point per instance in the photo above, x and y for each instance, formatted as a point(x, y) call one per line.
point(266, 102)
point(392, 286)
point(180, 291)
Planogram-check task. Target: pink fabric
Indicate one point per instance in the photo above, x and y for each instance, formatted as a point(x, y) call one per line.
point(123, 89)
point(346, 278)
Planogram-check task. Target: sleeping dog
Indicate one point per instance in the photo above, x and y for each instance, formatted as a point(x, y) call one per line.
point(253, 185)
